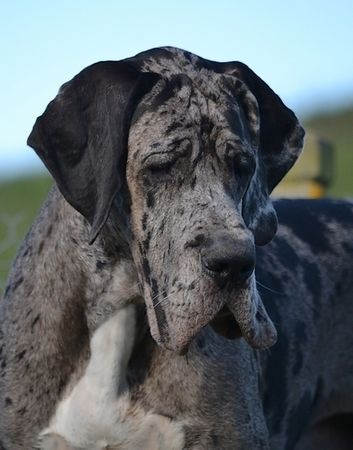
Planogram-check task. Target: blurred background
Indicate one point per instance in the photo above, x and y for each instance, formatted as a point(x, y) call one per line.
point(302, 49)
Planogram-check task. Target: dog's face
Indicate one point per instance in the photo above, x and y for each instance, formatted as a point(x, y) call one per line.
point(200, 146)
point(190, 162)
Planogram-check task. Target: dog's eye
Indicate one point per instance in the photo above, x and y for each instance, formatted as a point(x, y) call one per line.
point(161, 162)
point(159, 166)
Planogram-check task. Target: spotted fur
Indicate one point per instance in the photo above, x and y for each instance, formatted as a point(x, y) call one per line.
point(160, 162)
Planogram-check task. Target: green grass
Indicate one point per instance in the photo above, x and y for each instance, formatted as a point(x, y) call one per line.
point(20, 202)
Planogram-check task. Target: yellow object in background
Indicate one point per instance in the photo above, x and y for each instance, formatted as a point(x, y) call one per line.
point(313, 172)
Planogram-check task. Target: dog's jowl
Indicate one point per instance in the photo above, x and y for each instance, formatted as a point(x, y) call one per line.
point(155, 240)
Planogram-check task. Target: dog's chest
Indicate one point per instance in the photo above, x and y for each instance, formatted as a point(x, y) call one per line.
point(97, 413)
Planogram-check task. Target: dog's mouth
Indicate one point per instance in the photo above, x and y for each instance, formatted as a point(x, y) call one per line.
point(238, 314)
point(225, 324)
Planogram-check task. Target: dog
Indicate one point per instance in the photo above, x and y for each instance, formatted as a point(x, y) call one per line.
point(163, 165)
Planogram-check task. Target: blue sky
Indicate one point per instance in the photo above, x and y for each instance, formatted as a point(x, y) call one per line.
point(302, 49)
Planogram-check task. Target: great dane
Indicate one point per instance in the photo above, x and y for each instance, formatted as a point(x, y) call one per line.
point(133, 317)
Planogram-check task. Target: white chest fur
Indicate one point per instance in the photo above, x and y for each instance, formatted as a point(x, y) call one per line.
point(98, 414)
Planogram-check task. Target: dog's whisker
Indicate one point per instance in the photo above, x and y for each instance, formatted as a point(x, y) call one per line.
point(269, 289)
point(162, 300)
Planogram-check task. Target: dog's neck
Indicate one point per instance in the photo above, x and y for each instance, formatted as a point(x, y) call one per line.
point(110, 279)
point(75, 288)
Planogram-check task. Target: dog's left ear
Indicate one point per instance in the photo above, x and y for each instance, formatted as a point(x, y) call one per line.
point(82, 135)
point(279, 141)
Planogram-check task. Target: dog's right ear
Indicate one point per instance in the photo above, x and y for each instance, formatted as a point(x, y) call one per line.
point(82, 135)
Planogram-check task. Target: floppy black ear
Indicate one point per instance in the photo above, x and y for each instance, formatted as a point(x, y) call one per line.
point(82, 135)
point(280, 140)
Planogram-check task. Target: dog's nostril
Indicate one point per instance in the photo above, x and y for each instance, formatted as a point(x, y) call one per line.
point(234, 268)
point(221, 267)
point(246, 271)
point(228, 260)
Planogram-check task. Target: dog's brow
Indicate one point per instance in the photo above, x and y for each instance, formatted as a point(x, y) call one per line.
point(178, 147)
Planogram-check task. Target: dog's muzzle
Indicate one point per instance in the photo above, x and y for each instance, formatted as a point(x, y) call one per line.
point(230, 302)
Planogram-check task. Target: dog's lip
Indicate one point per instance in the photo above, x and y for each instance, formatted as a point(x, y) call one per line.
point(240, 313)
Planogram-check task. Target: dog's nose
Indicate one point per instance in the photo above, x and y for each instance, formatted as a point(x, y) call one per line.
point(226, 258)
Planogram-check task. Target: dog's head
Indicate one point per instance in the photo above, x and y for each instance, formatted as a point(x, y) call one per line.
point(197, 147)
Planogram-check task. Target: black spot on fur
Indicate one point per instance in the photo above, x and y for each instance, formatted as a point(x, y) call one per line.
point(17, 283)
point(197, 159)
point(146, 242)
point(8, 401)
point(192, 285)
point(168, 91)
point(146, 268)
point(20, 355)
point(61, 385)
point(193, 182)
point(155, 290)
point(40, 247)
point(174, 126)
point(7, 290)
point(22, 411)
point(150, 200)
point(144, 221)
point(100, 264)
point(49, 230)
point(259, 317)
point(35, 320)
point(28, 251)
point(158, 307)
